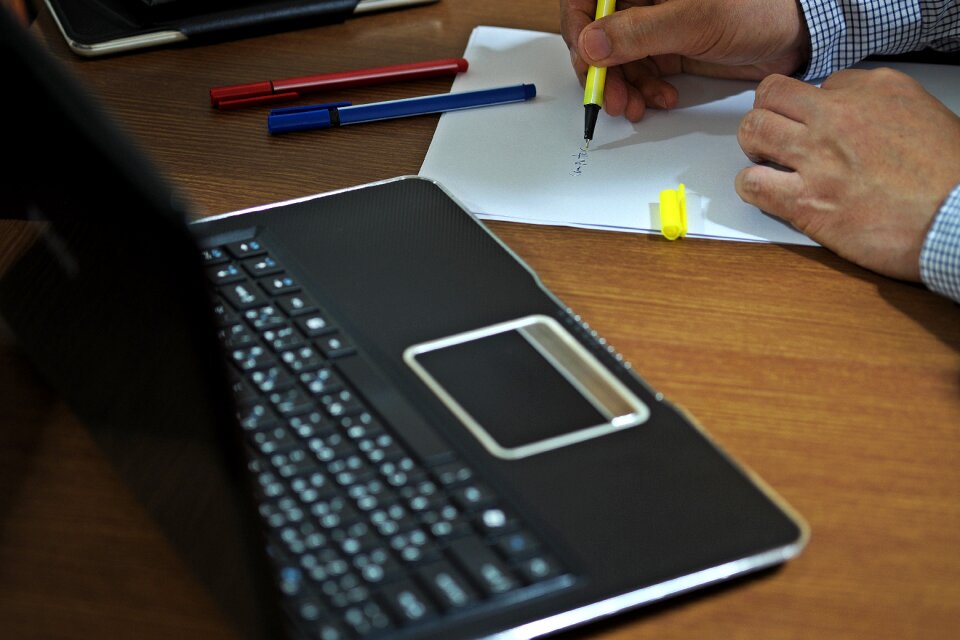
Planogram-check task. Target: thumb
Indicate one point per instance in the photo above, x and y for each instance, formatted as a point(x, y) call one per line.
point(640, 32)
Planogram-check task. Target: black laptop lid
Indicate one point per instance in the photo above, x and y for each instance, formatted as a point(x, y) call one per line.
point(109, 302)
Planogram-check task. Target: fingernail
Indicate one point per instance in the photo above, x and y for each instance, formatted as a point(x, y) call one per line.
point(596, 44)
point(661, 102)
point(574, 57)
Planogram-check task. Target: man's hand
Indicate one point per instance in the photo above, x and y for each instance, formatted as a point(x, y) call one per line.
point(873, 156)
point(649, 39)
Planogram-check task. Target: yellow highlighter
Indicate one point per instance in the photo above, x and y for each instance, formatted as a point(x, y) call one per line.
point(673, 213)
point(596, 77)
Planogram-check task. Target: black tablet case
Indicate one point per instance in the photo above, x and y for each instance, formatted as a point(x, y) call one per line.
point(91, 22)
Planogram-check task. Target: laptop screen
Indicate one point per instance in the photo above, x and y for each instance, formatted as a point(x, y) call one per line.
point(104, 292)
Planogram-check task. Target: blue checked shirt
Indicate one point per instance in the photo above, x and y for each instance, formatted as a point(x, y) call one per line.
point(842, 33)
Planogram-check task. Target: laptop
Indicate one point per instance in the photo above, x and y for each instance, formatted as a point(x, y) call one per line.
point(101, 27)
point(356, 415)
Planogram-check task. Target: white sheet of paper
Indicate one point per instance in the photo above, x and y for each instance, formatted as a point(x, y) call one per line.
point(523, 162)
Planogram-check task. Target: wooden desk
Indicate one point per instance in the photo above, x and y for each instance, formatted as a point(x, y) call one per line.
point(839, 387)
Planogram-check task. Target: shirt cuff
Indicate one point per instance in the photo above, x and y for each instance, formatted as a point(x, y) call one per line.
point(940, 255)
point(844, 32)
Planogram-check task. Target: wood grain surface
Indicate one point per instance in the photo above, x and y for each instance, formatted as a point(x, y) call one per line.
point(839, 387)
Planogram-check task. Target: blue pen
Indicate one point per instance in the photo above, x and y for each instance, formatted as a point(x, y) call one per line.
point(323, 116)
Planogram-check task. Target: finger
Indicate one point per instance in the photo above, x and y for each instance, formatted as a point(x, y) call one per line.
point(659, 93)
point(772, 190)
point(653, 90)
point(765, 135)
point(639, 32)
point(630, 95)
point(789, 97)
point(574, 16)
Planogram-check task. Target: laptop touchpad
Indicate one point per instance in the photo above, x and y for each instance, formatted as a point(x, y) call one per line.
point(525, 387)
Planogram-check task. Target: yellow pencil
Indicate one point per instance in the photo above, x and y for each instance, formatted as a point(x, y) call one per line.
point(596, 77)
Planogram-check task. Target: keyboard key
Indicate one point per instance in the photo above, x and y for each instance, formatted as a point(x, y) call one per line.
point(252, 358)
point(265, 317)
point(538, 568)
point(291, 581)
point(346, 590)
point(261, 266)
point(482, 566)
point(473, 497)
point(291, 402)
point(222, 313)
point(445, 522)
point(296, 304)
point(279, 285)
point(242, 392)
point(376, 566)
point(517, 545)
point(273, 378)
point(256, 416)
point(414, 546)
point(379, 447)
point(323, 565)
point(366, 618)
point(313, 486)
point(245, 249)
point(453, 473)
point(302, 359)
point(331, 447)
point(334, 346)
point(322, 381)
point(270, 441)
point(225, 274)
point(406, 602)
point(361, 425)
point(282, 338)
point(242, 296)
point(315, 619)
point(311, 425)
point(341, 403)
point(313, 325)
point(236, 335)
point(392, 520)
point(495, 521)
point(447, 585)
point(214, 255)
point(294, 463)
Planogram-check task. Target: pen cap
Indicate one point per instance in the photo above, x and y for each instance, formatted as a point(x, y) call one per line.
point(240, 91)
point(673, 213)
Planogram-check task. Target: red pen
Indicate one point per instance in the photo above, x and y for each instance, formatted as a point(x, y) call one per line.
point(273, 91)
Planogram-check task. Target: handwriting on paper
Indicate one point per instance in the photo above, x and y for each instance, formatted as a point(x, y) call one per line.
point(579, 161)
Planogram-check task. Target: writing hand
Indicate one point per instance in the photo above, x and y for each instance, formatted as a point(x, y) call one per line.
point(649, 39)
point(873, 156)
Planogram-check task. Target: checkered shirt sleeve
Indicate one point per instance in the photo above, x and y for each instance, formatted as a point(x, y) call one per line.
point(844, 32)
point(940, 256)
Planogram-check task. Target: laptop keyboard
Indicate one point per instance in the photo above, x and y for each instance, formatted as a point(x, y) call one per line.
point(370, 531)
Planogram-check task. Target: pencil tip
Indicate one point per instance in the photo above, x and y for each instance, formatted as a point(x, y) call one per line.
point(586, 143)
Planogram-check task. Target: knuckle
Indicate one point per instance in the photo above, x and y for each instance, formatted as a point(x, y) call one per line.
point(749, 186)
point(751, 128)
point(769, 90)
